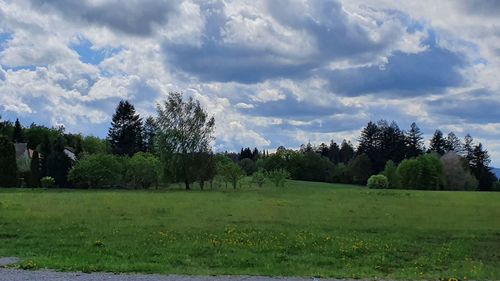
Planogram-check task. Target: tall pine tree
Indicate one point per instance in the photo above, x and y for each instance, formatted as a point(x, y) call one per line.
point(8, 166)
point(35, 170)
point(17, 136)
point(414, 141)
point(125, 134)
point(149, 133)
point(438, 143)
point(480, 168)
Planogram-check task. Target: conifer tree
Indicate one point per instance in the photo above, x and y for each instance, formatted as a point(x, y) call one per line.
point(35, 169)
point(17, 136)
point(8, 166)
point(438, 143)
point(125, 134)
point(414, 141)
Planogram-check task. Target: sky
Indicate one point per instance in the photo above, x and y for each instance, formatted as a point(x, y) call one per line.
point(272, 73)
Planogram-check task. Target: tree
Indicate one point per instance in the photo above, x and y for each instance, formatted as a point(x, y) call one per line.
point(456, 175)
point(414, 141)
point(95, 145)
point(390, 172)
point(149, 135)
point(430, 173)
point(452, 143)
point(18, 136)
point(45, 149)
point(259, 178)
point(438, 143)
point(278, 177)
point(468, 149)
point(35, 169)
point(58, 163)
point(346, 152)
point(143, 170)
point(360, 169)
point(98, 171)
point(8, 165)
point(206, 168)
point(407, 173)
point(369, 140)
point(423, 172)
point(230, 172)
point(184, 129)
point(334, 152)
point(125, 134)
point(480, 168)
point(248, 166)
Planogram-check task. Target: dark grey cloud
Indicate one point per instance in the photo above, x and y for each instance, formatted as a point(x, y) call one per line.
point(480, 7)
point(292, 108)
point(405, 74)
point(478, 106)
point(136, 17)
point(334, 36)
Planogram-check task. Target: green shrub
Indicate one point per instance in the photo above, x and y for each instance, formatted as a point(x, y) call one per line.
point(259, 178)
point(47, 182)
point(143, 170)
point(98, 171)
point(390, 173)
point(278, 177)
point(378, 182)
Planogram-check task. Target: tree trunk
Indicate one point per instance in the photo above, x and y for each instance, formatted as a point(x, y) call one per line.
point(202, 184)
point(186, 182)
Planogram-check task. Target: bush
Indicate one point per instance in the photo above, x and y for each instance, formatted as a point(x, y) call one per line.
point(259, 178)
point(47, 182)
point(390, 173)
point(423, 172)
point(378, 182)
point(248, 165)
point(98, 170)
point(278, 177)
point(143, 170)
point(229, 171)
point(360, 168)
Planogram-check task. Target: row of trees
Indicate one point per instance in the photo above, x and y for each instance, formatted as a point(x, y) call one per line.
point(175, 146)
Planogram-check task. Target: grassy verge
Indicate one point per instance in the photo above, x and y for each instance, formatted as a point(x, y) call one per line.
point(306, 229)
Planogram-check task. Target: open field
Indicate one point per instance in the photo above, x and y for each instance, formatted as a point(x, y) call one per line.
point(306, 229)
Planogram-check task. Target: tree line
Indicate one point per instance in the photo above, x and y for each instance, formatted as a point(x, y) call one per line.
point(175, 146)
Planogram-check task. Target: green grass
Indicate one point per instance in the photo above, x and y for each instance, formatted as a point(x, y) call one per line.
point(306, 229)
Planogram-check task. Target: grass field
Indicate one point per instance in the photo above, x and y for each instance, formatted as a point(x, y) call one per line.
point(306, 229)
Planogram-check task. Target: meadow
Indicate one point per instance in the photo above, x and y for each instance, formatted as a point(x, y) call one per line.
point(304, 229)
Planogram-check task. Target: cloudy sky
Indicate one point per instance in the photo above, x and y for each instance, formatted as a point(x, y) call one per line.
point(272, 72)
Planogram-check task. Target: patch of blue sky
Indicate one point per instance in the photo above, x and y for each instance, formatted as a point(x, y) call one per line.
point(4, 37)
point(92, 55)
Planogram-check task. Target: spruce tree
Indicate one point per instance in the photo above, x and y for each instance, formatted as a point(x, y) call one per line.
point(35, 169)
point(438, 143)
point(45, 150)
point(334, 150)
point(8, 165)
point(480, 168)
point(125, 134)
point(452, 143)
point(17, 136)
point(149, 135)
point(58, 163)
point(468, 149)
point(414, 142)
point(346, 152)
